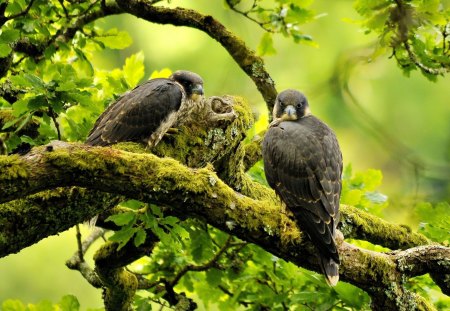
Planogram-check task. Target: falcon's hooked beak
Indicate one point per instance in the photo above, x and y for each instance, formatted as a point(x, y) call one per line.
point(197, 91)
point(289, 113)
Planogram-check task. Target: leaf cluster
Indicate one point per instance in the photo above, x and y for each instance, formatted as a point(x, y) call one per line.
point(417, 32)
point(51, 75)
point(221, 270)
point(360, 190)
point(276, 17)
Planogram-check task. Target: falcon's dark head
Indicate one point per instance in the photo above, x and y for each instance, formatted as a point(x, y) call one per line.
point(290, 105)
point(191, 82)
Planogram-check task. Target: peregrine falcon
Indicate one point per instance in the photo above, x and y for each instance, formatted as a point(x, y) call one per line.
point(149, 110)
point(303, 164)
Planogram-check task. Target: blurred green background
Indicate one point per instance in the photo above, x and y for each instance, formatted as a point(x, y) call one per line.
point(396, 124)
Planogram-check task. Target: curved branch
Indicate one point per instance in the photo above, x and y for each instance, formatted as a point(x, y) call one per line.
point(433, 259)
point(77, 263)
point(252, 65)
point(119, 284)
point(190, 192)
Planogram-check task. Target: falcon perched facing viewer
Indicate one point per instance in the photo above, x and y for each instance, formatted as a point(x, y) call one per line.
point(303, 164)
point(149, 110)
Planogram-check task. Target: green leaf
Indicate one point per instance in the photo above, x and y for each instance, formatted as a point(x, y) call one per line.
point(9, 35)
point(214, 277)
point(133, 69)
point(5, 49)
point(351, 197)
point(19, 80)
point(298, 15)
point(28, 140)
point(170, 221)
point(67, 85)
point(133, 204)
point(265, 46)
point(29, 80)
point(37, 102)
point(122, 218)
point(10, 123)
point(140, 237)
point(352, 296)
point(201, 245)
point(69, 303)
point(434, 221)
point(24, 122)
point(123, 236)
point(115, 39)
point(156, 211)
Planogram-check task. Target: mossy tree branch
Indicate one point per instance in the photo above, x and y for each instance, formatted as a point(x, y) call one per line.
point(119, 284)
point(191, 192)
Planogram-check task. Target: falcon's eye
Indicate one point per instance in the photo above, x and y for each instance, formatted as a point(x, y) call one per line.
point(299, 105)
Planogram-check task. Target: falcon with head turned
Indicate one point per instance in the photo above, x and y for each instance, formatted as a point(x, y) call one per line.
point(147, 112)
point(303, 164)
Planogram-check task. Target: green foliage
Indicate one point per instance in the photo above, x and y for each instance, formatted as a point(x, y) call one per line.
point(360, 190)
point(425, 286)
point(415, 32)
point(241, 275)
point(138, 217)
point(278, 16)
point(257, 173)
point(244, 275)
point(54, 79)
point(67, 303)
point(434, 221)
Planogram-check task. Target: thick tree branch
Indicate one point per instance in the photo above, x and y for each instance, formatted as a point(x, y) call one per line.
point(193, 193)
point(26, 221)
point(250, 63)
point(119, 284)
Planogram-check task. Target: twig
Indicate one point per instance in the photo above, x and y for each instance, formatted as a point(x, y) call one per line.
point(4, 19)
point(76, 262)
point(79, 243)
point(211, 263)
point(53, 116)
point(246, 14)
point(413, 57)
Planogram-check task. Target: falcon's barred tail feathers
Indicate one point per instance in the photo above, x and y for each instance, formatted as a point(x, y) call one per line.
point(148, 111)
point(323, 238)
point(303, 164)
point(330, 269)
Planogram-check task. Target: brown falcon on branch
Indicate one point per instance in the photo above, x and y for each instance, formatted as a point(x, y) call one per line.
point(149, 110)
point(303, 164)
